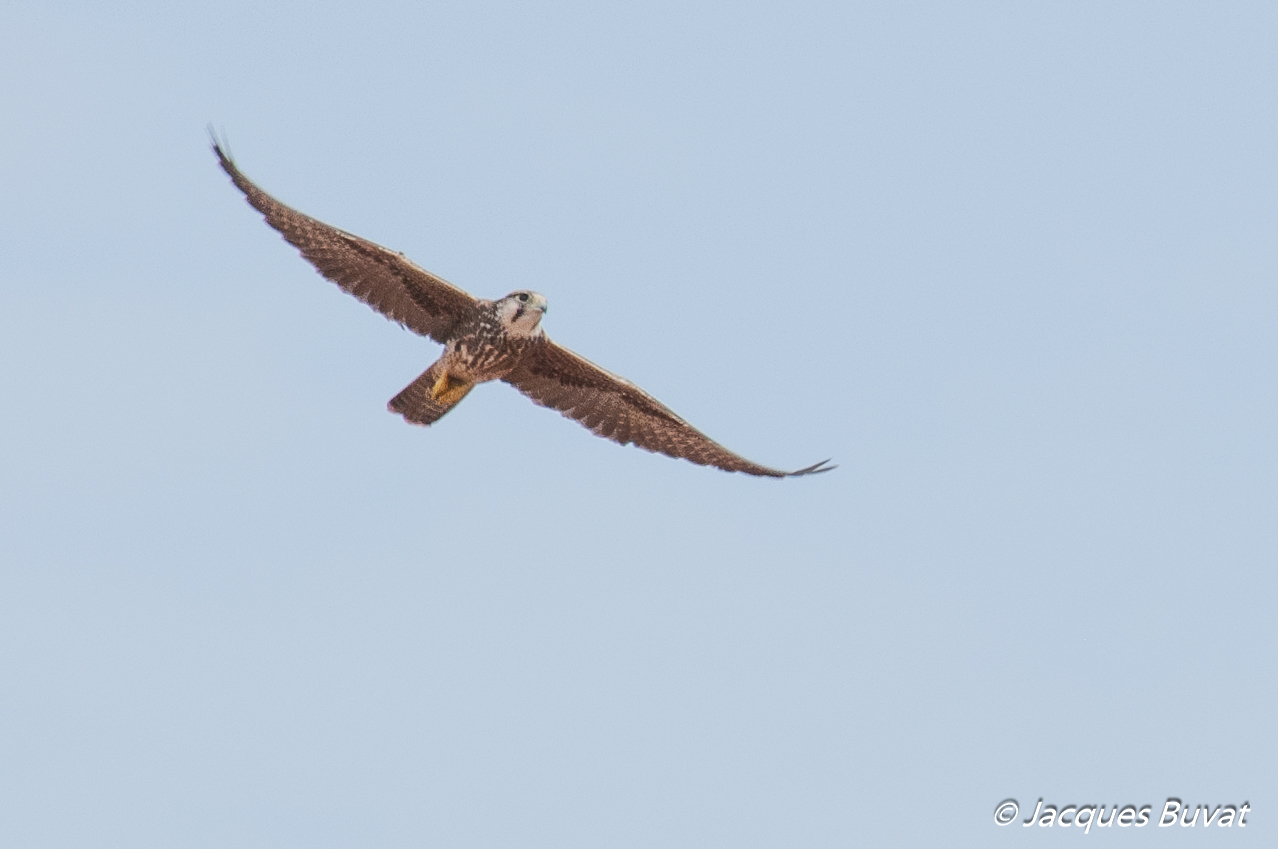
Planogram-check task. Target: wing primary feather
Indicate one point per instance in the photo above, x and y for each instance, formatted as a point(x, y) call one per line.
point(814, 469)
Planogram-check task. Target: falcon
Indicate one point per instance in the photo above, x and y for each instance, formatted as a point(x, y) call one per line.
point(489, 340)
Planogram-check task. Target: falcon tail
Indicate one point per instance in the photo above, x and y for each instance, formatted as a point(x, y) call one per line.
point(430, 396)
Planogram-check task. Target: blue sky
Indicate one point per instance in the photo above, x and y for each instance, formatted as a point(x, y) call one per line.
point(1011, 265)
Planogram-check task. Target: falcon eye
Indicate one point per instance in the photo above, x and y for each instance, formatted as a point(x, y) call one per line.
point(523, 296)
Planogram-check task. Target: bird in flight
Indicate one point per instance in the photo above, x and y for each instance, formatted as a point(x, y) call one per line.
point(489, 340)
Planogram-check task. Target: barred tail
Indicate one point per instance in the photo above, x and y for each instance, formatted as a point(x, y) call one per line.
point(430, 396)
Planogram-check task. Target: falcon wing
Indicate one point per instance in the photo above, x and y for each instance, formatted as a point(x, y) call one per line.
point(615, 408)
point(387, 281)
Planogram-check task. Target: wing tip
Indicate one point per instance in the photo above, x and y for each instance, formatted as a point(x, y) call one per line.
point(221, 147)
point(814, 469)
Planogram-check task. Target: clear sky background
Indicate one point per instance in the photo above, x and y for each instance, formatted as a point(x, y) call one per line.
point(1013, 266)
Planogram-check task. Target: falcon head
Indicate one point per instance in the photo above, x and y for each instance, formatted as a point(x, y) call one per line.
point(520, 312)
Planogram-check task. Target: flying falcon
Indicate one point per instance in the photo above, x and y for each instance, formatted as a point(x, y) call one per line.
point(489, 340)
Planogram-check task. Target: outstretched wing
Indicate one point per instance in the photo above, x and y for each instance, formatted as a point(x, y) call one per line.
point(615, 408)
point(385, 280)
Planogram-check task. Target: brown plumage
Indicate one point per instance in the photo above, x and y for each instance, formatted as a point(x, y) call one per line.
point(489, 340)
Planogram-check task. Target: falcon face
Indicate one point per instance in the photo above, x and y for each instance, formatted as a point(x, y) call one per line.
point(520, 313)
point(489, 340)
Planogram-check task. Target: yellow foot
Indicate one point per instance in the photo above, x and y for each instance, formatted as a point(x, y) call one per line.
point(448, 390)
